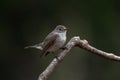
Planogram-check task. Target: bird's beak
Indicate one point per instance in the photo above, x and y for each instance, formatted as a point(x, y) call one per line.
point(65, 29)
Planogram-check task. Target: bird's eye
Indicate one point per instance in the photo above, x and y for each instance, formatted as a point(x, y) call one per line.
point(60, 29)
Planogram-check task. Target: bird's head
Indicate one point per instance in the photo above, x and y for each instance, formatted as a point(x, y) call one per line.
point(60, 29)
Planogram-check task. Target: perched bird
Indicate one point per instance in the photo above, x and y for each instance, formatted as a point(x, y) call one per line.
point(54, 41)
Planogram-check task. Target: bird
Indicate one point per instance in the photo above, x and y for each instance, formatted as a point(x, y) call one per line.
point(54, 41)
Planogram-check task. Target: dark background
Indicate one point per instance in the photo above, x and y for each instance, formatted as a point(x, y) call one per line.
point(27, 22)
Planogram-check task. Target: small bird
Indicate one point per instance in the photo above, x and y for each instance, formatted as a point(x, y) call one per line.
point(54, 41)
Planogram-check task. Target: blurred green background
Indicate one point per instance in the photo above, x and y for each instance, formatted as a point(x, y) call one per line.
point(27, 22)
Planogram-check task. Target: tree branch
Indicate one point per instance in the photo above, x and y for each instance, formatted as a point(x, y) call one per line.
point(75, 41)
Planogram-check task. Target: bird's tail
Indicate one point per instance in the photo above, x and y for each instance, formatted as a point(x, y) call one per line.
point(37, 46)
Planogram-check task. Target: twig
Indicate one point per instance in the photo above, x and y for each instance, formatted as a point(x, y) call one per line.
point(75, 41)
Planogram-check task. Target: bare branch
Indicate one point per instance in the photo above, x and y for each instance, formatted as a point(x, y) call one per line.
point(75, 41)
point(84, 44)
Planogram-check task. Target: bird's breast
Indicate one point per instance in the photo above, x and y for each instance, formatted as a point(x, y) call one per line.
point(62, 37)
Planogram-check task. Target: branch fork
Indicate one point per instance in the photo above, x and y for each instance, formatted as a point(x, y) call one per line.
point(75, 42)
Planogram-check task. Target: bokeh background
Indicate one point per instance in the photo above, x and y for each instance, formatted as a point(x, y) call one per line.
point(27, 22)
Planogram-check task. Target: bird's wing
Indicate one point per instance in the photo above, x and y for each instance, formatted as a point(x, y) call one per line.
point(48, 42)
